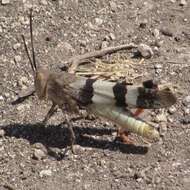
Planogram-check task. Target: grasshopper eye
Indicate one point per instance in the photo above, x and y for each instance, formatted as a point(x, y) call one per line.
point(40, 82)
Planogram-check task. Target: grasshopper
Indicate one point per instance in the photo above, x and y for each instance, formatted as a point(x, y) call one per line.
point(110, 100)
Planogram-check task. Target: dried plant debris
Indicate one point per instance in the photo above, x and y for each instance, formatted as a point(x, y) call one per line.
point(117, 68)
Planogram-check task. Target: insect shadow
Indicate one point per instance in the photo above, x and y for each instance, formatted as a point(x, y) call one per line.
point(57, 136)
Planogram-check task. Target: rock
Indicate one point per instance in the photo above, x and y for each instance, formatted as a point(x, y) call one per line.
point(172, 109)
point(183, 3)
point(1, 98)
point(4, 2)
point(158, 66)
point(170, 120)
point(6, 94)
point(186, 111)
point(16, 46)
point(161, 118)
point(145, 50)
point(167, 32)
point(156, 33)
point(185, 19)
point(39, 154)
point(113, 6)
point(17, 58)
point(2, 132)
point(45, 173)
point(163, 129)
point(143, 23)
point(82, 43)
point(159, 43)
point(1, 29)
point(104, 44)
point(60, 3)
point(186, 100)
point(44, 2)
point(98, 21)
point(112, 36)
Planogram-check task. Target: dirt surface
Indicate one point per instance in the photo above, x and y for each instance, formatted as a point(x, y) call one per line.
point(33, 157)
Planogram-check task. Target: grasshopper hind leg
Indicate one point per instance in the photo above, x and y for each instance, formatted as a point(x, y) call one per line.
point(123, 135)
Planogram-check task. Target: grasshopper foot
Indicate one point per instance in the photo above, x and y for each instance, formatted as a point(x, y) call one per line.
point(123, 136)
point(72, 135)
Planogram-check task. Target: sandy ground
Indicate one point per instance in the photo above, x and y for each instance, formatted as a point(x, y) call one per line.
point(32, 157)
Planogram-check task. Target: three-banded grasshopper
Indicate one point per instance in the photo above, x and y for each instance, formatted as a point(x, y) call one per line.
point(110, 100)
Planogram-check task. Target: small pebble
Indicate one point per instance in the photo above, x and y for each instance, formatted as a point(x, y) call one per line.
point(98, 21)
point(104, 44)
point(112, 36)
point(16, 46)
point(145, 50)
point(83, 43)
point(156, 33)
point(39, 154)
point(166, 32)
point(44, 2)
point(17, 58)
point(4, 2)
point(172, 110)
point(186, 100)
point(45, 173)
point(158, 66)
point(183, 3)
point(159, 43)
point(170, 120)
point(161, 118)
point(186, 111)
point(1, 29)
point(1, 98)
point(2, 132)
point(163, 129)
point(113, 6)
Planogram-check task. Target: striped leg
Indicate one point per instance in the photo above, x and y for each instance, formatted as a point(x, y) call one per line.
point(123, 135)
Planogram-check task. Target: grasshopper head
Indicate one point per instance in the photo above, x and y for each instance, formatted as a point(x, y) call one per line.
point(40, 81)
point(40, 73)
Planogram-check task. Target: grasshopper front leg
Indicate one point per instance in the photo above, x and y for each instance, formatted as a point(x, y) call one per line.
point(72, 133)
point(52, 110)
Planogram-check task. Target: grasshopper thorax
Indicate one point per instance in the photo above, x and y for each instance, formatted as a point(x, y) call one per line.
point(40, 82)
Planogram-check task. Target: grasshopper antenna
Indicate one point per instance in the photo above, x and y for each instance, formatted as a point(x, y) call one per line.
point(27, 52)
point(31, 38)
point(31, 60)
